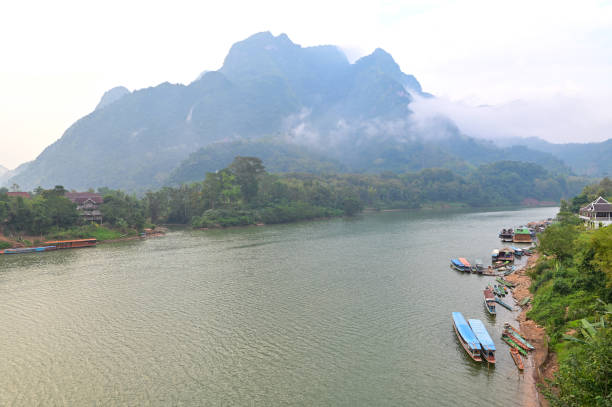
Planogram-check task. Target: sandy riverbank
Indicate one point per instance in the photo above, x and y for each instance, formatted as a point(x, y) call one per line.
point(541, 364)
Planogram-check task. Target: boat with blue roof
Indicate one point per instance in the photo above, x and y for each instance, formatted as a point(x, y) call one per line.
point(487, 346)
point(466, 336)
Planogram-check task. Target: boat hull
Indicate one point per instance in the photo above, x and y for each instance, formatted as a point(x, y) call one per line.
point(475, 357)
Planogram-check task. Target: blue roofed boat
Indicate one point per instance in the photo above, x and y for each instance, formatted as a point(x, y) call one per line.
point(517, 251)
point(466, 336)
point(487, 344)
point(459, 266)
point(22, 250)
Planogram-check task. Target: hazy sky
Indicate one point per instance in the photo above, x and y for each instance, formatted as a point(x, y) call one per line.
point(542, 67)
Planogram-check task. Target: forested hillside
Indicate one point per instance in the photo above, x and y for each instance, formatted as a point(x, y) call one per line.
point(320, 111)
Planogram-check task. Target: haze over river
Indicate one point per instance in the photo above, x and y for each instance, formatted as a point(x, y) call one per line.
point(352, 312)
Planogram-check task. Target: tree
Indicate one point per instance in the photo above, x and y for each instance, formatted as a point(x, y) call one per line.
point(247, 171)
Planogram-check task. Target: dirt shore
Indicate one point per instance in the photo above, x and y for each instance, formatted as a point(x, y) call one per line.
point(541, 364)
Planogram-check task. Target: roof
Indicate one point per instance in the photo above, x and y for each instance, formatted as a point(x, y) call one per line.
point(21, 194)
point(80, 197)
point(464, 261)
point(522, 231)
point(598, 205)
point(465, 331)
point(481, 334)
point(457, 263)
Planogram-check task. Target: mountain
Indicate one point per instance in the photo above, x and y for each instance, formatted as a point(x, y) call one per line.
point(320, 110)
point(590, 159)
point(112, 96)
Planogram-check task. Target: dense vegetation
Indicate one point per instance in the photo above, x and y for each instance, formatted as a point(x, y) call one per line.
point(572, 286)
point(244, 193)
point(50, 214)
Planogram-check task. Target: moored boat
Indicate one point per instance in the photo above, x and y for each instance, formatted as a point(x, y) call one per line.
point(513, 344)
point(506, 235)
point(22, 250)
point(478, 264)
point(503, 304)
point(522, 235)
point(73, 244)
point(518, 361)
point(489, 301)
point(458, 265)
point(466, 336)
point(518, 335)
point(487, 345)
point(505, 254)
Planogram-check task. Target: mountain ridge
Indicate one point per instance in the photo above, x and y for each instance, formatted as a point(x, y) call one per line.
point(357, 115)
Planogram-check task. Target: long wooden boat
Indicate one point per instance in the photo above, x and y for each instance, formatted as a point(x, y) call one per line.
point(466, 336)
point(489, 301)
point(73, 244)
point(458, 265)
point(487, 345)
point(517, 358)
point(504, 282)
point(514, 345)
point(22, 250)
point(516, 333)
point(516, 339)
point(503, 304)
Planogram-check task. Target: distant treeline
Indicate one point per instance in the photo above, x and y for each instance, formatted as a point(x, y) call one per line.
point(245, 193)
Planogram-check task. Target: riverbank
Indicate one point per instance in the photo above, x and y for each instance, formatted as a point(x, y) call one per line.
point(542, 363)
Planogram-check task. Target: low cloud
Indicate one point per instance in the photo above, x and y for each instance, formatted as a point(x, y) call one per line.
point(558, 119)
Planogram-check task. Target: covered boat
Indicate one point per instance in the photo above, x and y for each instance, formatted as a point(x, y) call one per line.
point(72, 244)
point(517, 251)
point(506, 235)
point(495, 254)
point(522, 235)
point(458, 265)
point(466, 264)
point(505, 254)
point(478, 264)
point(22, 250)
point(487, 345)
point(489, 301)
point(466, 336)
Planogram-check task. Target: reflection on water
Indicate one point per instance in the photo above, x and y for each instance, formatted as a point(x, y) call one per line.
point(340, 312)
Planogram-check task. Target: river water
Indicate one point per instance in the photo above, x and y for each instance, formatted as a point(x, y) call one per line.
point(351, 312)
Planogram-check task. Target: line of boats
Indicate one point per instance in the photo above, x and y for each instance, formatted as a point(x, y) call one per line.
point(479, 345)
point(52, 245)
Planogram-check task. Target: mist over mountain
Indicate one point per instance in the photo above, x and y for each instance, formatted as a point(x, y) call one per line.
point(3, 170)
point(592, 159)
point(309, 107)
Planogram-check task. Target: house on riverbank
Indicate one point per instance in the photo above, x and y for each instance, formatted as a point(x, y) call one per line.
point(597, 214)
point(87, 205)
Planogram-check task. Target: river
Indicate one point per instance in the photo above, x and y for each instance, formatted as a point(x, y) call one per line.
point(350, 312)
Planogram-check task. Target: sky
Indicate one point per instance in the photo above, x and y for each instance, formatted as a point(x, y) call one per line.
point(499, 69)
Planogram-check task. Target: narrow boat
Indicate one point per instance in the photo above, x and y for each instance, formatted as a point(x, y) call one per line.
point(487, 345)
point(489, 301)
point(22, 250)
point(517, 358)
point(467, 266)
point(466, 336)
point(514, 345)
point(516, 333)
point(517, 251)
point(504, 282)
point(525, 301)
point(503, 304)
point(479, 266)
point(458, 265)
point(73, 244)
point(510, 334)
